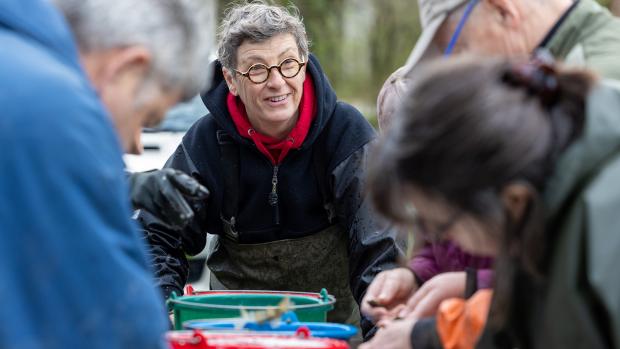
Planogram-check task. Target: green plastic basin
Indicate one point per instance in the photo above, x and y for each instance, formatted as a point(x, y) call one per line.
point(309, 307)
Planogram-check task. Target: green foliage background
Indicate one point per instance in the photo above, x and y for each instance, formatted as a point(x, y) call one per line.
point(359, 42)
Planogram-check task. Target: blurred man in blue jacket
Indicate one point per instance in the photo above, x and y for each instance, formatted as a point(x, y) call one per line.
point(73, 271)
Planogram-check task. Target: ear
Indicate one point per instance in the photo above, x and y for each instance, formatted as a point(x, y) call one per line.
point(506, 12)
point(230, 81)
point(126, 64)
point(516, 197)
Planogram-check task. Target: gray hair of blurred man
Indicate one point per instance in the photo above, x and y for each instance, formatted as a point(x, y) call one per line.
point(177, 33)
point(258, 21)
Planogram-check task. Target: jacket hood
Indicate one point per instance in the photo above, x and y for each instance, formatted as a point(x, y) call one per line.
point(40, 21)
point(598, 145)
point(215, 101)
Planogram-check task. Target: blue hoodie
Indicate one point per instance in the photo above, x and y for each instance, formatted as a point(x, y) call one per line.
point(73, 268)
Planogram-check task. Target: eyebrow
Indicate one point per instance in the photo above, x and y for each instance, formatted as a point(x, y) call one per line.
point(261, 58)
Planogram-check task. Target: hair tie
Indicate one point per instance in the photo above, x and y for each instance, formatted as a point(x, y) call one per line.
point(538, 76)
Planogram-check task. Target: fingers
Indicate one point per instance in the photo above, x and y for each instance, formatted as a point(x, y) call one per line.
point(375, 287)
point(186, 184)
point(371, 295)
point(160, 192)
point(414, 300)
point(378, 314)
point(395, 334)
point(392, 288)
point(440, 288)
point(390, 316)
point(377, 301)
point(387, 294)
point(426, 307)
point(174, 206)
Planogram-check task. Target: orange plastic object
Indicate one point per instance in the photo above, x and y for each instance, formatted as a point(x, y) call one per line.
point(460, 322)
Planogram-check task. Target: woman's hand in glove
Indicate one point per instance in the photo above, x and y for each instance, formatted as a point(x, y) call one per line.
point(165, 194)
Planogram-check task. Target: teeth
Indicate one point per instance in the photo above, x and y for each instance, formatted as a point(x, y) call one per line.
point(277, 99)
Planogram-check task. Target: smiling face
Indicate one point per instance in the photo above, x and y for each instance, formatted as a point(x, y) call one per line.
point(272, 106)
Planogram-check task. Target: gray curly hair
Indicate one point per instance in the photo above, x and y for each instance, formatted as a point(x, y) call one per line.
point(258, 21)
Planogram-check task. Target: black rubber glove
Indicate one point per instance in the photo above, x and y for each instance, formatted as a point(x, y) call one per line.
point(165, 194)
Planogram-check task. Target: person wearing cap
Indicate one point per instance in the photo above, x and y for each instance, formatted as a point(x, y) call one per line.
point(580, 33)
point(544, 200)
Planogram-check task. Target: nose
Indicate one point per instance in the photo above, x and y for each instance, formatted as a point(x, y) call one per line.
point(275, 79)
point(135, 143)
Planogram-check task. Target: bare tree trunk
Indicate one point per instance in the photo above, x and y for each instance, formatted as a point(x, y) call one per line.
point(615, 7)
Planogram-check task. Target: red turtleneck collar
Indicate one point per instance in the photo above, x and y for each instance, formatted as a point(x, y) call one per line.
point(274, 149)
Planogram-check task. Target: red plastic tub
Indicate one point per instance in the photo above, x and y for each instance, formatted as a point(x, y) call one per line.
point(204, 340)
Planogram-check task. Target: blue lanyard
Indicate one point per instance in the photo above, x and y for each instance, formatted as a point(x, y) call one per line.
point(459, 27)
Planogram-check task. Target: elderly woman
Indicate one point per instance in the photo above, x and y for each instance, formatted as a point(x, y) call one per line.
point(283, 159)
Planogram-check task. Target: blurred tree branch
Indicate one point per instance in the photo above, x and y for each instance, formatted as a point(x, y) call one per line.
point(392, 38)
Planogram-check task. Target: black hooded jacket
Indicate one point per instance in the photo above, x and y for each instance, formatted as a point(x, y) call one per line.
point(335, 149)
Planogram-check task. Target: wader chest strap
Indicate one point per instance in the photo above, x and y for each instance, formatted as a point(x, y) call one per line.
point(320, 163)
point(229, 161)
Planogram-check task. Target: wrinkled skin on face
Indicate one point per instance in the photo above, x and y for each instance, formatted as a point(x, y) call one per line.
point(272, 106)
point(502, 27)
point(491, 38)
point(494, 28)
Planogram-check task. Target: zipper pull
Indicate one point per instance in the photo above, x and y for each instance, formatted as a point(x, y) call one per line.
point(273, 196)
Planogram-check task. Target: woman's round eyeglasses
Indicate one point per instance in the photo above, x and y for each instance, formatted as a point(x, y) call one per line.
point(259, 73)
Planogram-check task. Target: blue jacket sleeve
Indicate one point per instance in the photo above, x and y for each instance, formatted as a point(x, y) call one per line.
point(72, 263)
